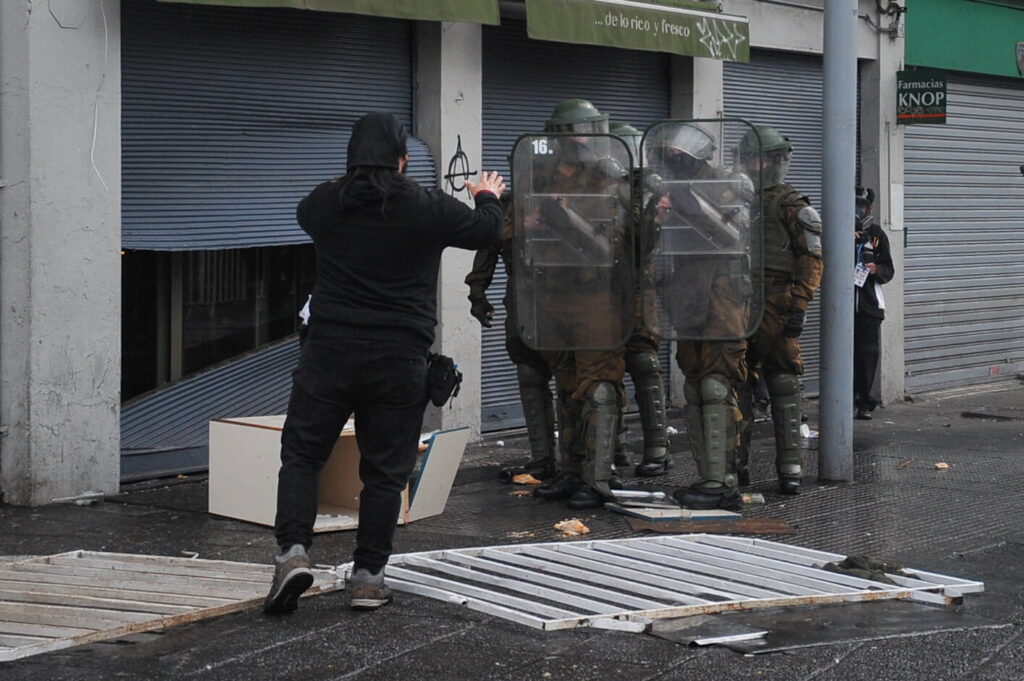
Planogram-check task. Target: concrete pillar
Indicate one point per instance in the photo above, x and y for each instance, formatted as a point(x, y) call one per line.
point(449, 100)
point(882, 169)
point(696, 92)
point(60, 240)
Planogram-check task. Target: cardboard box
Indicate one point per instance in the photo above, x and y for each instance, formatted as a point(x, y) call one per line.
point(245, 456)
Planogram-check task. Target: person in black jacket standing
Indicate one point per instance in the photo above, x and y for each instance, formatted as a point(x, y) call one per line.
point(874, 268)
point(378, 238)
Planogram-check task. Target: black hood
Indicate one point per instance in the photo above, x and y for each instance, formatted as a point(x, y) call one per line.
point(378, 139)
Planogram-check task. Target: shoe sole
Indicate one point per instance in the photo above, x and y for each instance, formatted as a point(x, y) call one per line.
point(369, 603)
point(286, 600)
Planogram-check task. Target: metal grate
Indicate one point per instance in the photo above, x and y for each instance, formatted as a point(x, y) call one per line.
point(69, 599)
point(624, 584)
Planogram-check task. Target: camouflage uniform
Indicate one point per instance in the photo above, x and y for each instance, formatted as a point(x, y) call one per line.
point(718, 303)
point(532, 370)
point(793, 269)
point(574, 302)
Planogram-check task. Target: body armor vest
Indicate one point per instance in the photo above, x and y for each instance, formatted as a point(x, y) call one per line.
point(779, 255)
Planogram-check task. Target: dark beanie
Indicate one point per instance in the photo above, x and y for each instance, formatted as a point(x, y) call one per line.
point(378, 139)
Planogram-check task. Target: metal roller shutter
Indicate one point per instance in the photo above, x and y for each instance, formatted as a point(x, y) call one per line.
point(964, 216)
point(523, 81)
point(167, 432)
point(784, 91)
point(229, 116)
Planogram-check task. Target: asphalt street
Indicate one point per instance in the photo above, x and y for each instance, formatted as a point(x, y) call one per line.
point(963, 521)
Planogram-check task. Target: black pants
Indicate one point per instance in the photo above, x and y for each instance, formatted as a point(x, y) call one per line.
point(866, 351)
point(384, 385)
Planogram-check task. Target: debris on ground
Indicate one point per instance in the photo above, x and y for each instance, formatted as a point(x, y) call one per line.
point(942, 466)
point(572, 527)
point(520, 534)
point(752, 498)
point(656, 513)
point(499, 443)
point(741, 526)
point(525, 479)
point(521, 492)
point(904, 464)
point(672, 431)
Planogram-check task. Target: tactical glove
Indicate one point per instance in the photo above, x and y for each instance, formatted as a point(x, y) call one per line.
point(794, 323)
point(483, 311)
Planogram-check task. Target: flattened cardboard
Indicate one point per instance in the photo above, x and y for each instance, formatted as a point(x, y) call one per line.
point(245, 459)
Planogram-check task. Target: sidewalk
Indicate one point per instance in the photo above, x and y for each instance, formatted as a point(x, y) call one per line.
point(964, 521)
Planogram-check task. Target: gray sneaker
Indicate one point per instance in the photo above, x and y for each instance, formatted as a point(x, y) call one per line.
point(292, 576)
point(368, 590)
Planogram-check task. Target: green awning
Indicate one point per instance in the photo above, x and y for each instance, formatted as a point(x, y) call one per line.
point(672, 26)
point(469, 11)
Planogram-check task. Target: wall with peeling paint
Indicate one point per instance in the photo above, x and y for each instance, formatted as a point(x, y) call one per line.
point(60, 233)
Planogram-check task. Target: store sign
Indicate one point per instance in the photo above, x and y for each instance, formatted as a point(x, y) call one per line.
point(470, 11)
point(920, 96)
point(676, 28)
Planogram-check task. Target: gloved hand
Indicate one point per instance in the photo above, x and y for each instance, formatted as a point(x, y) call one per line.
point(794, 325)
point(483, 311)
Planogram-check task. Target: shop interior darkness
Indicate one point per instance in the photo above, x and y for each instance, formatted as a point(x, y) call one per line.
point(186, 311)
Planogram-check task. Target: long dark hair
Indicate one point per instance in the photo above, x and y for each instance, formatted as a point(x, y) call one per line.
point(386, 181)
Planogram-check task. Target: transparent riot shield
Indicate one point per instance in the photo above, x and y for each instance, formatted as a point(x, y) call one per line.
point(574, 224)
point(700, 232)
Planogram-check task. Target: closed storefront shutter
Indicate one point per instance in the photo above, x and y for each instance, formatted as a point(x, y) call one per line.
point(784, 91)
point(523, 81)
point(964, 216)
point(230, 116)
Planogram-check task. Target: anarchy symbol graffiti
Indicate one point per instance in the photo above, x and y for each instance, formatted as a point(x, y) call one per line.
point(458, 168)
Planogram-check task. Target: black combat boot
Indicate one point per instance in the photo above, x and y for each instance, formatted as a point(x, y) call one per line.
point(789, 486)
point(562, 486)
point(650, 469)
point(725, 498)
point(542, 469)
point(586, 497)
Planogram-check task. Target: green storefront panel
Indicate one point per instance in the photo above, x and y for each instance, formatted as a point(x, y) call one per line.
point(470, 11)
point(977, 36)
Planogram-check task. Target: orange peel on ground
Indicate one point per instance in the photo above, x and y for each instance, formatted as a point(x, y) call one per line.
point(572, 527)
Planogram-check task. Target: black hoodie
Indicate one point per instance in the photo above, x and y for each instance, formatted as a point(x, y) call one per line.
point(377, 257)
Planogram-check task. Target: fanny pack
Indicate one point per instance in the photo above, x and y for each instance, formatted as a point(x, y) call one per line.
point(443, 378)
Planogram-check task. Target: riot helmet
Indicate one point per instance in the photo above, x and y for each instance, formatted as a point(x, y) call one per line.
point(680, 151)
point(578, 116)
point(628, 134)
point(771, 150)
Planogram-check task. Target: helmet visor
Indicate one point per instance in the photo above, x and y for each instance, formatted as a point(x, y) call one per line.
point(581, 127)
point(693, 141)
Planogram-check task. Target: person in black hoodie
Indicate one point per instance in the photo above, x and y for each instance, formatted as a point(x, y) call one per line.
point(874, 268)
point(378, 238)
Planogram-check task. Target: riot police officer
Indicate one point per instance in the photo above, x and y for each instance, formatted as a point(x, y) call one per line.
point(642, 347)
point(533, 373)
point(793, 269)
point(572, 201)
point(708, 296)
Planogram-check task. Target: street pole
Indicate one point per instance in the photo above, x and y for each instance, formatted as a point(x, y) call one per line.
point(835, 440)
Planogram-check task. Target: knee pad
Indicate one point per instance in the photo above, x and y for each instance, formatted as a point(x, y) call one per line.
point(715, 389)
point(781, 385)
point(642, 364)
point(530, 377)
point(602, 394)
